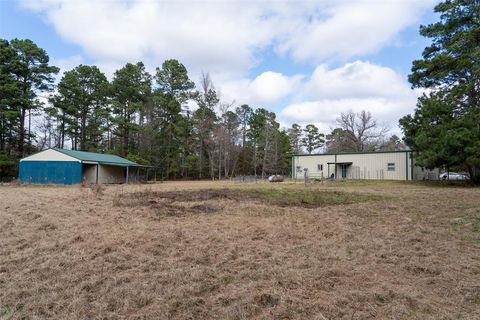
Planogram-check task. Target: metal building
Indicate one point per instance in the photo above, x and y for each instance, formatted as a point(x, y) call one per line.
point(385, 165)
point(60, 166)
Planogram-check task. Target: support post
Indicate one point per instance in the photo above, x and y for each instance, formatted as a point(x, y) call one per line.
point(406, 166)
point(294, 173)
point(126, 179)
point(411, 165)
point(335, 167)
point(97, 175)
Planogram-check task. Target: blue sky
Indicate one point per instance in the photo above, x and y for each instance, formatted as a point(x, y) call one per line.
point(306, 60)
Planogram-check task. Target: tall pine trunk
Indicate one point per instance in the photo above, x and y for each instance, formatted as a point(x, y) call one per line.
point(21, 132)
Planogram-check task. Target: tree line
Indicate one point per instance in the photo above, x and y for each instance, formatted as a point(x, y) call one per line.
point(144, 117)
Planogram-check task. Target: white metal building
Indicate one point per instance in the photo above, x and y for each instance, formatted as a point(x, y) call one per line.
point(386, 165)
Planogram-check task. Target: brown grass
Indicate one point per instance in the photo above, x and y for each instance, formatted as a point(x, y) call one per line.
point(404, 251)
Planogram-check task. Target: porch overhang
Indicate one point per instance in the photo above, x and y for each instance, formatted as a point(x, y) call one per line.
point(346, 163)
point(116, 164)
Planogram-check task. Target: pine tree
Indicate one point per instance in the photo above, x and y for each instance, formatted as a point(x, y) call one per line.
point(312, 139)
point(130, 89)
point(445, 128)
point(174, 88)
point(82, 103)
point(25, 73)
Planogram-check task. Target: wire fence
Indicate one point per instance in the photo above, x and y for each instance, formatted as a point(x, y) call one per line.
point(359, 173)
point(249, 179)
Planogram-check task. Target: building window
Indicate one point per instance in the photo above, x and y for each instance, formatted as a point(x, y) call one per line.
point(391, 166)
point(320, 167)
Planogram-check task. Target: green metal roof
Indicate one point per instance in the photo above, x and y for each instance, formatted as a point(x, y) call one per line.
point(109, 159)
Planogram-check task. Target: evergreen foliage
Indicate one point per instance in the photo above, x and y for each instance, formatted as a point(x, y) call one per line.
point(445, 128)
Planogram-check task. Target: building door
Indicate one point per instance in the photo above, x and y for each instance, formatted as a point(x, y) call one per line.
point(344, 171)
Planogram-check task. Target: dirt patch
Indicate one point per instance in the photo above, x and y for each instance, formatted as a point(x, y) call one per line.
point(173, 202)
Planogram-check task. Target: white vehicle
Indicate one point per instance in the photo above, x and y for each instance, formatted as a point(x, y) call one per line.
point(453, 176)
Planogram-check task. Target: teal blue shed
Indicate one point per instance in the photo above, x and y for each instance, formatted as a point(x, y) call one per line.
point(61, 166)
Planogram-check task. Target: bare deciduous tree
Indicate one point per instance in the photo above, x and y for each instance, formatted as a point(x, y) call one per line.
point(362, 132)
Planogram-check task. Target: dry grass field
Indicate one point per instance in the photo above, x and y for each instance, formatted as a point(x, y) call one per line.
point(205, 250)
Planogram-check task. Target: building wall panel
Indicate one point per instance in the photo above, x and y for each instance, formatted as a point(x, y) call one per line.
point(375, 165)
point(49, 155)
point(312, 163)
point(50, 172)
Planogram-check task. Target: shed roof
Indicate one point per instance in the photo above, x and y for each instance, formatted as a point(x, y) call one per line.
point(98, 157)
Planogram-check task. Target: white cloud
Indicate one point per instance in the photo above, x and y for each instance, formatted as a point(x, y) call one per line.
point(352, 28)
point(213, 36)
point(226, 36)
point(354, 86)
point(357, 79)
point(266, 89)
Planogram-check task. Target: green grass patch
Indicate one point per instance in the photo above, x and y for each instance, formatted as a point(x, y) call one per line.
point(284, 196)
point(306, 197)
point(390, 183)
point(347, 183)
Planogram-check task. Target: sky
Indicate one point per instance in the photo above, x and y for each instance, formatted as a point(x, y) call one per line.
point(308, 61)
